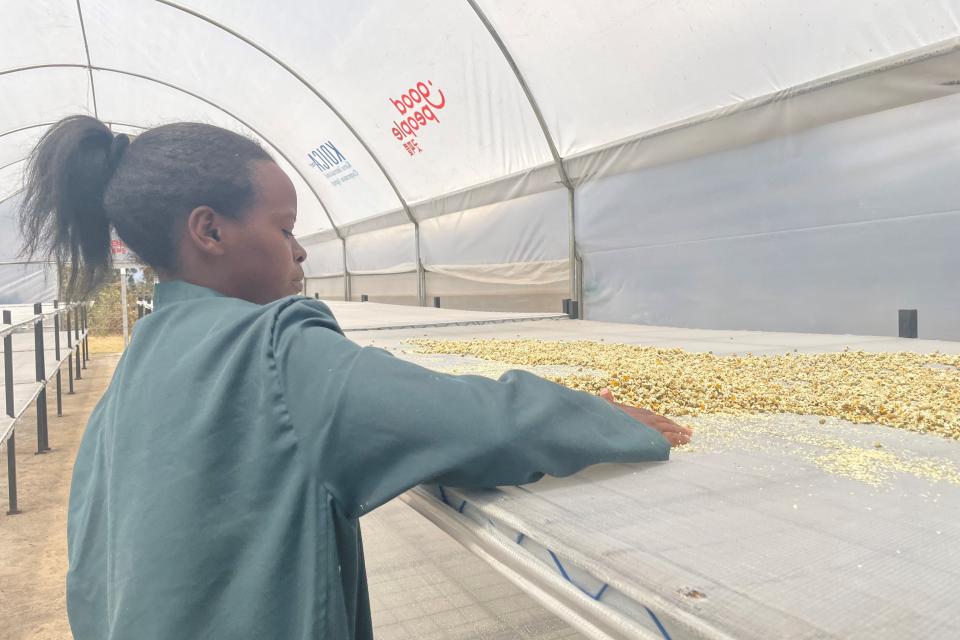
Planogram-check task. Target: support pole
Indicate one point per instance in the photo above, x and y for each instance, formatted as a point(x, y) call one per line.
point(346, 272)
point(123, 305)
point(76, 336)
point(11, 441)
point(56, 353)
point(43, 444)
point(572, 224)
point(70, 349)
point(421, 277)
point(86, 336)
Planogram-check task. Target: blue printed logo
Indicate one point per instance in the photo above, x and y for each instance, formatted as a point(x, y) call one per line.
point(332, 164)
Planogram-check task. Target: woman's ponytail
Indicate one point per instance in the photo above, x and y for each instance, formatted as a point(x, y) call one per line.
point(62, 215)
point(81, 181)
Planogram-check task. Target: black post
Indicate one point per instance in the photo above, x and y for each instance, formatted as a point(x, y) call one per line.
point(8, 364)
point(12, 474)
point(566, 306)
point(364, 297)
point(56, 353)
point(69, 355)
point(908, 323)
point(76, 336)
point(43, 438)
point(86, 336)
point(11, 441)
point(139, 307)
point(574, 309)
point(436, 301)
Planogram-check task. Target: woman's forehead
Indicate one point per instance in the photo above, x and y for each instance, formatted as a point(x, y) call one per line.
point(274, 189)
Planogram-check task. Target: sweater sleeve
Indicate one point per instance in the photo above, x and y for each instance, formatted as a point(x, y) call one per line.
point(372, 426)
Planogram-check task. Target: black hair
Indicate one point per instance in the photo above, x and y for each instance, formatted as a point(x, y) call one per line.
point(81, 179)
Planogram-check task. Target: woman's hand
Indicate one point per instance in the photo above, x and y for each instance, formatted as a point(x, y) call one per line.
point(674, 433)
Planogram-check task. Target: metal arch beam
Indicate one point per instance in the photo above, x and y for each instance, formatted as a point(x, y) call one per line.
point(86, 48)
point(209, 102)
point(421, 294)
point(11, 195)
point(575, 286)
point(24, 128)
point(50, 124)
point(10, 164)
point(193, 95)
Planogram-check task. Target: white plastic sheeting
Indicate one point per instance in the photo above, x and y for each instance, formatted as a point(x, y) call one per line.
point(21, 282)
point(669, 122)
point(829, 230)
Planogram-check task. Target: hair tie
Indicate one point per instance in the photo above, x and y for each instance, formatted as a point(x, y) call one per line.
point(120, 143)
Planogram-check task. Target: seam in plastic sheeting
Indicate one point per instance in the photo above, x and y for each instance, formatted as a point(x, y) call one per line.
point(546, 272)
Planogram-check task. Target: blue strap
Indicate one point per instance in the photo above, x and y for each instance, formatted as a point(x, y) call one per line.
point(657, 622)
point(563, 572)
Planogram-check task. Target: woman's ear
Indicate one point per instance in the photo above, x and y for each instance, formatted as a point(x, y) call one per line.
point(203, 231)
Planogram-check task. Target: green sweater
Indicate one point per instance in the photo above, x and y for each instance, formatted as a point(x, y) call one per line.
point(218, 487)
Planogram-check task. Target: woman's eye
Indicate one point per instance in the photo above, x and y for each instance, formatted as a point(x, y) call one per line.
point(288, 233)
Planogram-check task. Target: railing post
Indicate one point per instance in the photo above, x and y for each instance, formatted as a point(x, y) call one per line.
point(11, 441)
point(76, 336)
point(86, 336)
point(70, 349)
point(139, 307)
point(43, 437)
point(56, 354)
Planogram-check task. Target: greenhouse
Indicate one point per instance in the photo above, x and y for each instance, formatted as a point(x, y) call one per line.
point(740, 215)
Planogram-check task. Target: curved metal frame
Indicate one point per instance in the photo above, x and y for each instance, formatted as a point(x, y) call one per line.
point(209, 102)
point(86, 48)
point(50, 124)
point(421, 294)
point(421, 285)
point(11, 195)
point(575, 285)
point(10, 164)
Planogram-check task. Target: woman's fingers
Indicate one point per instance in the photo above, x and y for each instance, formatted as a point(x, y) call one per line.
point(676, 439)
point(675, 434)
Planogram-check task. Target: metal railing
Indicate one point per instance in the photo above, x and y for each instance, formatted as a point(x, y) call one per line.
point(144, 307)
point(69, 321)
